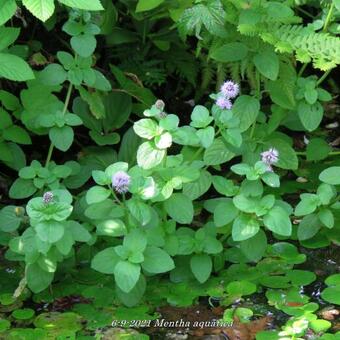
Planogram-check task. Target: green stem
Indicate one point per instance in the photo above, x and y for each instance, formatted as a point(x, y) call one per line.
point(324, 76)
point(196, 154)
point(333, 153)
point(305, 12)
point(302, 69)
point(328, 18)
point(68, 97)
point(258, 96)
point(49, 155)
point(67, 101)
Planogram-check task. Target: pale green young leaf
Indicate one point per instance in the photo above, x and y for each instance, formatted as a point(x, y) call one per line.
point(156, 261)
point(180, 208)
point(42, 9)
point(37, 278)
point(147, 5)
point(62, 137)
point(126, 275)
point(201, 267)
point(105, 261)
point(7, 10)
point(14, 68)
point(277, 220)
point(87, 5)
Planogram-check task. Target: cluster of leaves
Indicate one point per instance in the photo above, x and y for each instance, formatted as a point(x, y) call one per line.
point(187, 196)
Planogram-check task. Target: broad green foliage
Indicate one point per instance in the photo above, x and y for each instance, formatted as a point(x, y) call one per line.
point(140, 201)
point(43, 9)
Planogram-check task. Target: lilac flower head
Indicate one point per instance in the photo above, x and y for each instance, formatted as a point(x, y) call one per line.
point(160, 104)
point(270, 156)
point(224, 103)
point(162, 115)
point(121, 182)
point(48, 197)
point(230, 89)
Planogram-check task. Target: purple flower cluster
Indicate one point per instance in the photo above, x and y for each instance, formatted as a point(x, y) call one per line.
point(270, 157)
point(121, 182)
point(229, 90)
point(224, 103)
point(48, 197)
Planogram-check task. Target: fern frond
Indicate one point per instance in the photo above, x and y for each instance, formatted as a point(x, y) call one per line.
point(321, 48)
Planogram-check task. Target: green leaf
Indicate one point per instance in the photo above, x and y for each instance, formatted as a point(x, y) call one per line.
point(146, 128)
point(201, 267)
point(277, 220)
point(42, 9)
point(113, 228)
point(163, 141)
point(325, 193)
point(200, 117)
point(37, 278)
point(330, 175)
point(17, 134)
point(311, 95)
point(255, 247)
point(310, 115)
point(210, 15)
point(244, 227)
point(10, 219)
point(308, 227)
point(180, 208)
point(22, 188)
point(246, 108)
point(234, 51)
point(326, 217)
point(139, 210)
point(144, 95)
point(126, 275)
point(224, 213)
point(62, 137)
point(157, 261)
point(129, 146)
point(50, 231)
point(147, 5)
point(118, 107)
point(93, 5)
point(8, 35)
point(135, 241)
point(199, 187)
point(105, 261)
point(132, 298)
point(105, 209)
point(319, 326)
point(317, 149)
point(300, 277)
point(97, 194)
point(148, 156)
point(332, 294)
point(307, 205)
point(206, 136)
point(53, 74)
point(267, 63)
point(84, 44)
point(241, 288)
point(14, 68)
point(217, 153)
point(7, 10)
point(23, 314)
point(271, 178)
point(282, 91)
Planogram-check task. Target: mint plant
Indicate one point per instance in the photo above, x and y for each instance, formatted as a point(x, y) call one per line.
point(119, 203)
